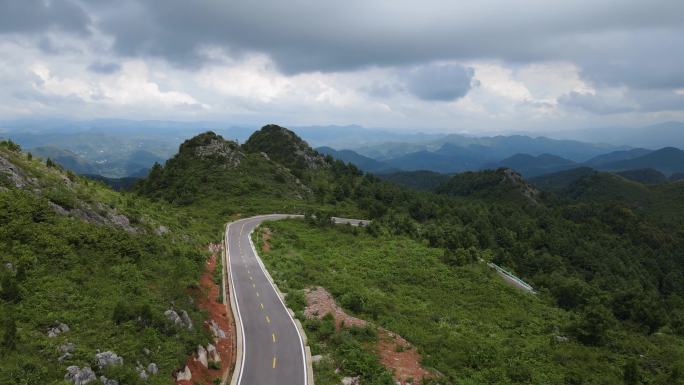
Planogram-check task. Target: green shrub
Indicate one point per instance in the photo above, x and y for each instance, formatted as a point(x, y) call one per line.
point(296, 300)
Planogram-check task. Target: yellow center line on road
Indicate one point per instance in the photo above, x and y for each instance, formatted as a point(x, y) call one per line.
point(273, 335)
point(268, 319)
point(257, 293)
point(250, 278)
point(262, 306)
point(274, 362)
point(253, 285)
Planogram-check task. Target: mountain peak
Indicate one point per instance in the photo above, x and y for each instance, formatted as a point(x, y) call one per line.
point(285, 147)
point(210, 145)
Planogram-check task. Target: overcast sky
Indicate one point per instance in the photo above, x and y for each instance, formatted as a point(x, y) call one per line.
point(430, 65)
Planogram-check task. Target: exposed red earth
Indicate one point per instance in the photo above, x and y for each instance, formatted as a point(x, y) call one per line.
point(207, 298)
point(396, 353)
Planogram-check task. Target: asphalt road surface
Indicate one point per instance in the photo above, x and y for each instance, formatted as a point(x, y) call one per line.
point(273, 350)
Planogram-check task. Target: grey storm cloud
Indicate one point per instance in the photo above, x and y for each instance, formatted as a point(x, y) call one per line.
point(631, 43)
point(605, 38)
point(104, 68)
point(441, 82)
point(30, 16)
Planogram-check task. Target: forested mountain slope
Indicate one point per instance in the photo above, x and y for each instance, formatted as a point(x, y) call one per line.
point(221, 178)
point(603, 249)
point(85, 270)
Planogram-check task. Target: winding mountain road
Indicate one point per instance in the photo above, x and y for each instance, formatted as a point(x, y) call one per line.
point(270, 346)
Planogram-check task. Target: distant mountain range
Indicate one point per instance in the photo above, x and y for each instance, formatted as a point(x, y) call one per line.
point(363, 162)
point(121, 148)
point(451, 159)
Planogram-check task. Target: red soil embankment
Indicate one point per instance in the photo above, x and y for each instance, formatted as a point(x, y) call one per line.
point(397, 354)
point(207, 299)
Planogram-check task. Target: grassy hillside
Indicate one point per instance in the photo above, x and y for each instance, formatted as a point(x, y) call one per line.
point(467, 323)
point(606, 250)
point(106, 264)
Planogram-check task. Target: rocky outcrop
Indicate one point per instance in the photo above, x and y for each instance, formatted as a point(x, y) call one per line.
point(350, 380)
point(108, 381)
point(58, 329)
point(172, 316)
point(161, 230)
point(202, 356)
point(65, 351)
point(526, 189)
point(184, 375)
point(88, 214)
point(182, 320)
point(216, 331)
point(14, 175)
point(142, 373)
point(227, 151)
point(186, 319)
point(108, 358)
point(145, 373)
point(152, 368)
point(285, 147)
point(213, 354)
point(80, 376)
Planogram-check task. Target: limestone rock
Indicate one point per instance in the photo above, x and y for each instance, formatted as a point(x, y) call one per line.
point(350, 380)
point(66, 347)
point(161, 230)
point(108, 358)
point(216, 331)
point(64, 357)
point(152, 368)
point(172, 316)
point(80, 376)
point(184, 375)
point(186, 319)
point(142, 373)
point(108, 381)
point(213, 353)
point(58, 329)
point(561, 339)
point(202, 356)
point(13, 173)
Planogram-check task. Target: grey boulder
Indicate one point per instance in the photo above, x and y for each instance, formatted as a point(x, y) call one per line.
point(106, 359)
point(80, 376)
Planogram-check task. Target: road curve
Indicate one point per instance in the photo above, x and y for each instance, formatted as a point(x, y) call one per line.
point(272, 346)
point(271, 349)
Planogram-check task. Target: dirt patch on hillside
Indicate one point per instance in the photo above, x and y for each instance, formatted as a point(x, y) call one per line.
point(222, 317)
point(265, 238)
point(397, 354)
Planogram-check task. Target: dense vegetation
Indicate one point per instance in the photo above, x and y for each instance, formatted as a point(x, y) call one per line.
point(469, 325)
point(601, 239)
point(604, 253)
point(110, 285)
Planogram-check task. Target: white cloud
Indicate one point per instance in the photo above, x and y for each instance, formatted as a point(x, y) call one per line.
point(498, 80)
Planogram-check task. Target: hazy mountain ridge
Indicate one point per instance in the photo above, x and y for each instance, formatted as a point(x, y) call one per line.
point(363, 162)
point(118, 148)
